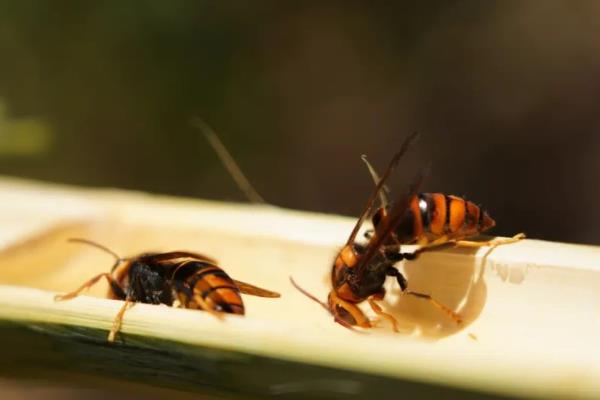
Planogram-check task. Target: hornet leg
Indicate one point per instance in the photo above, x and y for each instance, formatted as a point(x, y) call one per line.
point(118, 321)
point(392, 252)
point(205, 306)
point(377, 309)
point(404, 286)
point(492, 243)
point(114, 286)
point(347, 314)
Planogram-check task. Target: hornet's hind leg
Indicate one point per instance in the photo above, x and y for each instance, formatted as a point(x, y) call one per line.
point(208, 307)
point(491, 243)
point(393, 253)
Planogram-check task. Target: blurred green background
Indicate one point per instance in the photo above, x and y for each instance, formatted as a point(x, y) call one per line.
point(506, 95)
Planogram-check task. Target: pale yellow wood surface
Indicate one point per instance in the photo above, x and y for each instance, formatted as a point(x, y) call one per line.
point(532, 324)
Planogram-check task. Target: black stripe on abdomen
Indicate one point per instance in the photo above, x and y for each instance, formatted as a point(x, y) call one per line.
point(216, 271)
point(427, 207)
point(447, 223)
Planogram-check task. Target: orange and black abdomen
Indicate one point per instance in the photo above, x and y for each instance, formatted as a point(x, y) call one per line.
point(434, 215)
point(197, 282)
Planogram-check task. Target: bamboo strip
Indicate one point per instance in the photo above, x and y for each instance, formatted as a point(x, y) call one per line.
point(531, 306)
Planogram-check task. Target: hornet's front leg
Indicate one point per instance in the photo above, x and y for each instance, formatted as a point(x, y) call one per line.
point(379, 311)
point(346, 313)
point(116, 289)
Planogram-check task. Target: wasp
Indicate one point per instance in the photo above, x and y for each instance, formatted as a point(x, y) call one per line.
point(177, 278)
point(430, 220)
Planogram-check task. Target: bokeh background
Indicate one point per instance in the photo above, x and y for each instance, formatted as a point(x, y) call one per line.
point(505, 93)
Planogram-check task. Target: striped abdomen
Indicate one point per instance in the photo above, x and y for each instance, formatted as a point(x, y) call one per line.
point(436, 215)
point(200, 285)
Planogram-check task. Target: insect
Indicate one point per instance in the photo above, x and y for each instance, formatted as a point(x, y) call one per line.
point(177, 278)
point(428, 219)
point(435, 219)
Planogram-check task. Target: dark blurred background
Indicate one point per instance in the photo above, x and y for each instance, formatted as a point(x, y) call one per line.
point(506, 94)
